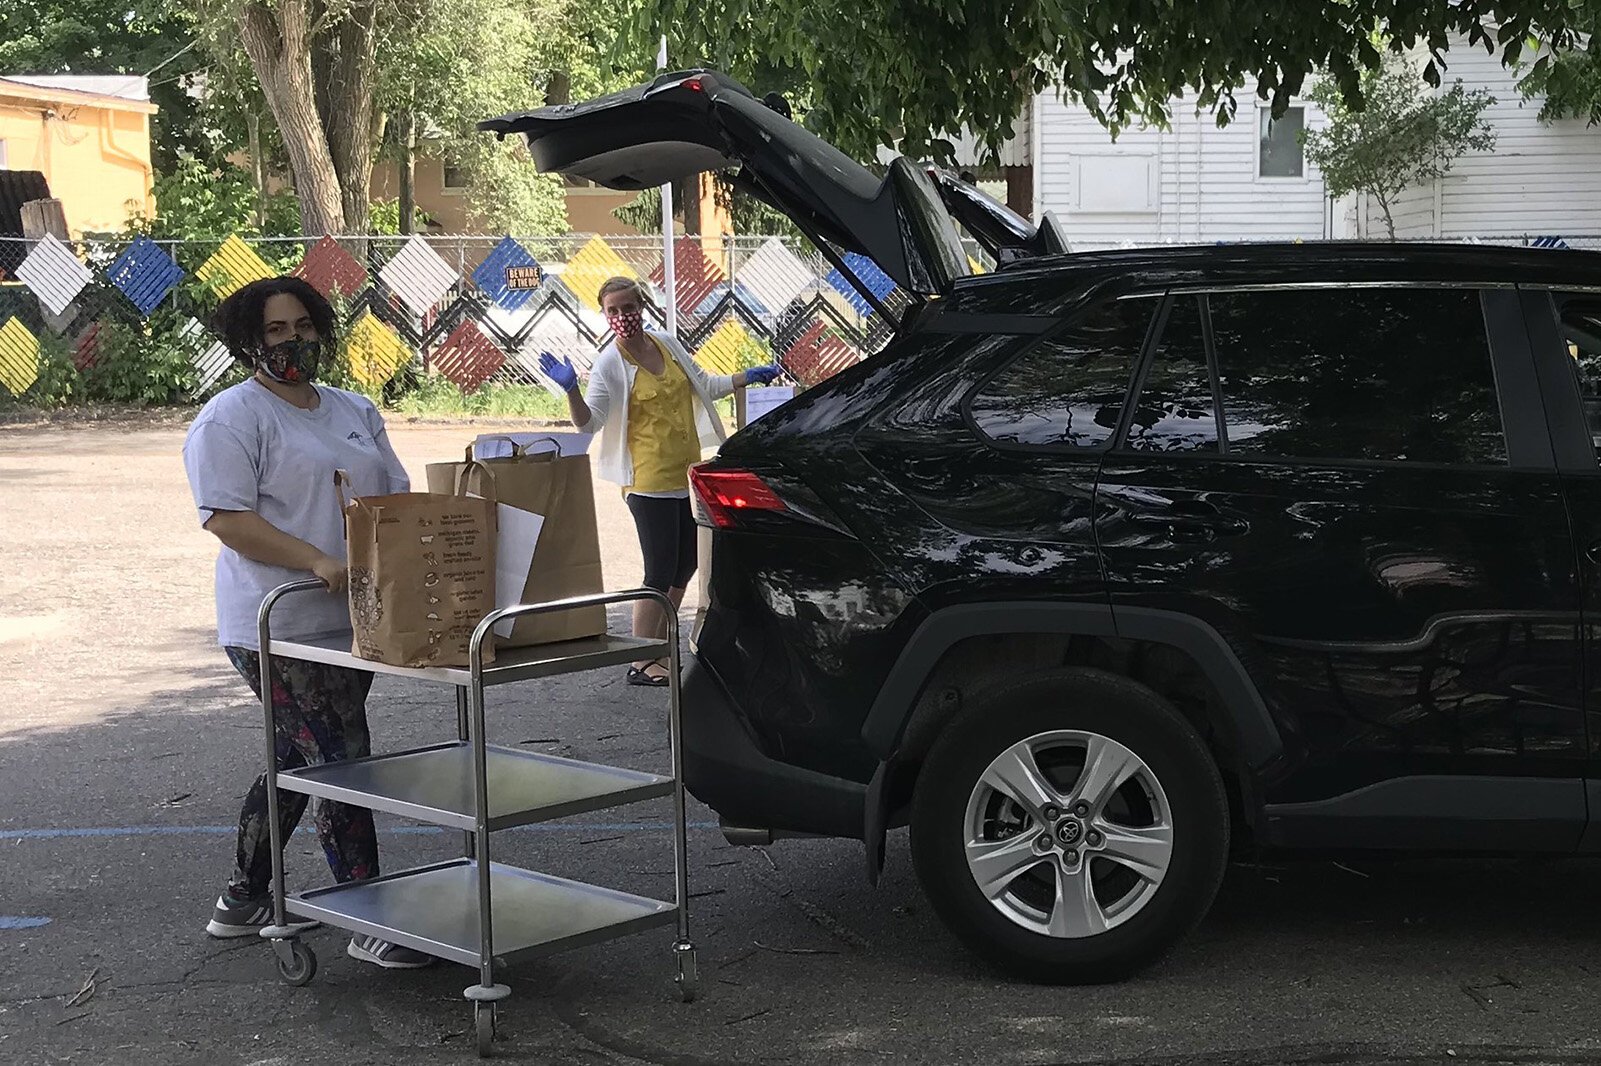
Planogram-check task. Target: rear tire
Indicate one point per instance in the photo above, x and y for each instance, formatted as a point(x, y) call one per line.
point(1090, 877)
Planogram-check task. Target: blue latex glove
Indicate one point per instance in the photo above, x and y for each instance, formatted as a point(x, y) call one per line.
point(763, 375)
point(559, 370)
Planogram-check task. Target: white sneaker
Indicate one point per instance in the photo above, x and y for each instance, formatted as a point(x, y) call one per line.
point(383, 953)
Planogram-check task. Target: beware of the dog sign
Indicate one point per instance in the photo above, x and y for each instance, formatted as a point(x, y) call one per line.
point(522, 278)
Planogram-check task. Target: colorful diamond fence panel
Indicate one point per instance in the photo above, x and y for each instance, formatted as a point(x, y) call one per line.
point(145, 274)
point(817, 354)
point(231, 267)
point(468, 358)
point(557, 334)
point(19, 357)
point(867, 271)
point(328, 268)
point(376, 354)
point(493, 281)
point(418, 276)
point(776, 275)
point(87, 351)
point(210, 365)
point(54, 274)
point(742, 297)
point(696, 279)
point(730, 348)
point(590, 267)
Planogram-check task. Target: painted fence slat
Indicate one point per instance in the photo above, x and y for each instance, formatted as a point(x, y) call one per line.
point(54, 274)
point(459, 315)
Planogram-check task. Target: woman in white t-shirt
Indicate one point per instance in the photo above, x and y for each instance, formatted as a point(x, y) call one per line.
point(261, 458)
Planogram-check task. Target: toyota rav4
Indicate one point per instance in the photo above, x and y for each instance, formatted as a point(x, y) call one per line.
point(1108, 559)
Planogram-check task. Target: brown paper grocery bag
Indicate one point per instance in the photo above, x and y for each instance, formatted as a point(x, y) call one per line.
point(567, 557)
point(422, 574)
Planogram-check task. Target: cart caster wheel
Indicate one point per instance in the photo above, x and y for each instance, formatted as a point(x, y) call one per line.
point(300, 967)
point(484, 1026)
point(687, 978)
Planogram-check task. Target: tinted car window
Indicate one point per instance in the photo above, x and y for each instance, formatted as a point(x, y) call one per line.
point(1367, 374)
point(1581, 329)
point(1175, 410)
point(1069, 389)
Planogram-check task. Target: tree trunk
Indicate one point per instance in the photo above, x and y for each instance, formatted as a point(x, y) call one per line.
point(279, 52)
point(1389, 219)
point(407, 135)
point(559, 90)
point(258, 166)
point(344, 61)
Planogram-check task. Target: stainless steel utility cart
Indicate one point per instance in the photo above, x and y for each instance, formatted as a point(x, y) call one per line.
point(472, 910)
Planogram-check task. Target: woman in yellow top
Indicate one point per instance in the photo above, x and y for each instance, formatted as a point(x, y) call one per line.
point(651, 403)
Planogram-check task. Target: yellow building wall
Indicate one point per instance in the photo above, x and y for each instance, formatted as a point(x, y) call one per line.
point(588, 210)
point(97, 160)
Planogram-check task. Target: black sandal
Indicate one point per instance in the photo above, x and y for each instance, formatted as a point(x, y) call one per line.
point(636, 676)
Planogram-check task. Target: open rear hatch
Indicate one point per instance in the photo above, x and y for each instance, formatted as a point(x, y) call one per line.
point(1004, 233)
point(685, 123)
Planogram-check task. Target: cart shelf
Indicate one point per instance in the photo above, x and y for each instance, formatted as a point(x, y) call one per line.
point(513, 664)
point(435, 785)
point(473, 910)
point(435, 909)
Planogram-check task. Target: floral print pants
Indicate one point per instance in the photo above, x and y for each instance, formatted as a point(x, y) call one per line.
point(319, 715)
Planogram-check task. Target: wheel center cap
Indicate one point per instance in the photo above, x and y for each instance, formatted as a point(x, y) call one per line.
point(1068, 831)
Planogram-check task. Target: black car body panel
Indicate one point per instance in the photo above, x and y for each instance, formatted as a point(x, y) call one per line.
point(1378, 632)
point(1002, 232)
point(685, 123)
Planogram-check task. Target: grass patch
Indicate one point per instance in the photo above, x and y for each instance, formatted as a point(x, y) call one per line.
point(438, 397)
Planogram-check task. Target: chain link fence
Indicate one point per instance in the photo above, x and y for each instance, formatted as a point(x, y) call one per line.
point(470, 309)
point(132, 313)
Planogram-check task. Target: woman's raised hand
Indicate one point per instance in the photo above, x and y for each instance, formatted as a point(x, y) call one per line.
point(559, 370)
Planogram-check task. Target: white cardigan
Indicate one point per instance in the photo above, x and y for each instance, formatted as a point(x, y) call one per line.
point(611, 381)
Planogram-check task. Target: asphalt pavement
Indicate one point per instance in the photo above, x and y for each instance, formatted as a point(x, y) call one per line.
point(125, 743)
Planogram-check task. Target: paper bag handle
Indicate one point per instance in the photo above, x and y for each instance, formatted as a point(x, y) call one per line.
point(347, 493)
point(486, 480)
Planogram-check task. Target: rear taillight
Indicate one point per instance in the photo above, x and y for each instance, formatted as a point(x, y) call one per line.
point(723, 495)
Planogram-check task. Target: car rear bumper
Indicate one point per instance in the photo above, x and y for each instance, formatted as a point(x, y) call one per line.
point(724, 769)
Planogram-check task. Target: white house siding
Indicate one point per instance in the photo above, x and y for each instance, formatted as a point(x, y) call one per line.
point(1542, 179)
point(1193, 182)
point(1196, 183)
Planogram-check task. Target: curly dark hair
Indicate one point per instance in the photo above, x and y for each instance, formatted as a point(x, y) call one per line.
point(240, 319)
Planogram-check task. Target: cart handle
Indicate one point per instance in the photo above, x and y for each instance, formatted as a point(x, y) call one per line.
point(272, 599)
point(602, 599)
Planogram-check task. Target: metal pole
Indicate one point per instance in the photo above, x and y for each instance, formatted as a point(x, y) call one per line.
point(279, 927)
point(468, 840)
point(676, 750)
point(669, 279)
point(475, 705)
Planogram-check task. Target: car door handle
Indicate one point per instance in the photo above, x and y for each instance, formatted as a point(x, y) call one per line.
point(1593, 552)
point(1193, 524)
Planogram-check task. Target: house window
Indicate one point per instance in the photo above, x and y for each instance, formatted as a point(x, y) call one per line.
point(1279, 144)
point(455, 179)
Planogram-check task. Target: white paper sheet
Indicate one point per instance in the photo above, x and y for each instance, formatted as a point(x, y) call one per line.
point(514, 558)
point(498, 446)
point(761, 401)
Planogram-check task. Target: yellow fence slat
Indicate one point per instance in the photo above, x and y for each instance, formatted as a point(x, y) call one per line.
point(730, 348)
point(232, 267)
point(19, 357)
point(374, 351)
point(589, 268)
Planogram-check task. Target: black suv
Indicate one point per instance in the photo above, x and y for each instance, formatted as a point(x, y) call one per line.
point(1109, 558)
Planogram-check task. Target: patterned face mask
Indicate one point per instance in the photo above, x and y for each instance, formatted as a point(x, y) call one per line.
point(291, 362)
point(626, 323)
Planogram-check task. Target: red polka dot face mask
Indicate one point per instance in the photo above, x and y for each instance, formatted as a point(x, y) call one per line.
point(626, 323)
